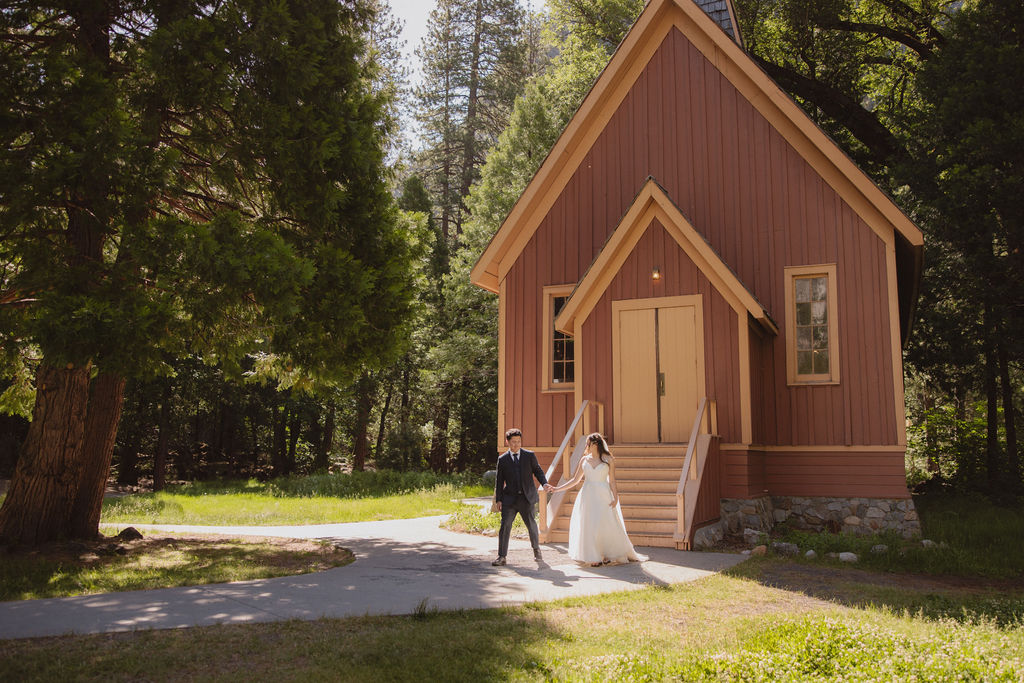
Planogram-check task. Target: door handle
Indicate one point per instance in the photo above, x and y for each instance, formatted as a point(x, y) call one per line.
point(661, 384)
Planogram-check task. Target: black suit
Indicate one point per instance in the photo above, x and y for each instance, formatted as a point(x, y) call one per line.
point(514, 489)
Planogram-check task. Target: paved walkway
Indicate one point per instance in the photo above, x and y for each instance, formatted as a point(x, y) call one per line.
point(401, 566)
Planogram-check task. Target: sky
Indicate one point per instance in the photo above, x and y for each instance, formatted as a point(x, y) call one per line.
point(413, 14)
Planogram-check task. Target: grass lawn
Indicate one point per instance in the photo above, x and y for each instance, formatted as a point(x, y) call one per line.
point(754, 623)
point(327, 499)
point(159, 560)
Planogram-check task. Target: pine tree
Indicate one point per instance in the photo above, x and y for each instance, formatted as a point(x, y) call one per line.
point(183, 179)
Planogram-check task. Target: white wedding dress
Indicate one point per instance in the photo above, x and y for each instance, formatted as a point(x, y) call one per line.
point(597, 532)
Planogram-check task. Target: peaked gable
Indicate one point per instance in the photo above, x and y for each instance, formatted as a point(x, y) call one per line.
point(652, 203)
point(654, 24)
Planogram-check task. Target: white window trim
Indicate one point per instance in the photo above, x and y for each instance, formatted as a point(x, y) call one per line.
point(548, 341)
point(827, 270)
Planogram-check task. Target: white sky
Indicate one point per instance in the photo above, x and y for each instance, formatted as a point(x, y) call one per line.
point(413, 14)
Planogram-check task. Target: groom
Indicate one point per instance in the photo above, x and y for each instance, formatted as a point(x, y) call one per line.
point(514, 492)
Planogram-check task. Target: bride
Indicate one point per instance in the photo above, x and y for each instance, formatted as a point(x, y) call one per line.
point(597, 534)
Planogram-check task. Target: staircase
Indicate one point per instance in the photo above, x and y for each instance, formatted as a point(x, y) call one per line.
point(646, 477)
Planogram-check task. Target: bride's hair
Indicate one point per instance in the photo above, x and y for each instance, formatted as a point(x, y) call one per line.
point(602, 446)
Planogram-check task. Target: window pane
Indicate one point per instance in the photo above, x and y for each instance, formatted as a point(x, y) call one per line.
point(559, 372)
point(559, 351)
point(568, 349)
point(821, 362)
point(804, 364)
point(819, 289)
point(557, 304)
point(820, 337)
point(803, 338)
point(819, 312)
point(803, 289)
point(803, 314)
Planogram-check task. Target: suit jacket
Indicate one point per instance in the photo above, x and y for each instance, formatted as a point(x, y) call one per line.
point(505, 482)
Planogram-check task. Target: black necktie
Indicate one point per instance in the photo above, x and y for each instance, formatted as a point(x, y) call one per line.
point(519, 475)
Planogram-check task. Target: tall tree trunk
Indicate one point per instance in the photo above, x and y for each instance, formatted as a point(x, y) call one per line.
point(38, 504)
point(104, 414)
point(128, 460)
point(360, 440)
point(469, 145)
point(162, 439)
point(931, 448)
point(992, 402)
point(439, 443)
point(294, 427)
point(1012, 457)
point(323, 453)
point(278, 459)
point(383, 419)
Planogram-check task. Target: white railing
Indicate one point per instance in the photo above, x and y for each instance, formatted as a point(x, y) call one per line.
point(693, 471)
point(549, 507)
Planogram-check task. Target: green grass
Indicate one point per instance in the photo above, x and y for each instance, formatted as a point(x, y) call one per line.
point(62, 570)
point(729, 627)
point(472, 519)
point(327, 499)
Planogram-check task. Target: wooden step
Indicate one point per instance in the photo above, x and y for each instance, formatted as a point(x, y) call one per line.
point(637, 512)
point(650, 539)
point(662, 499)
point(629, 462)
point(659, 473)
point(657, 486)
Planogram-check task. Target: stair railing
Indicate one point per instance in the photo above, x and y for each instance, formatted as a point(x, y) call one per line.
point(549, 508)
point(693, 471)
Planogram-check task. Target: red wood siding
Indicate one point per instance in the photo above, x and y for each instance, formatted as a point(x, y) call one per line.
point(846, 474)
point(760, 205)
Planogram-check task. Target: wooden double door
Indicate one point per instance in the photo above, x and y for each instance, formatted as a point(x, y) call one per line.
point(658, 365)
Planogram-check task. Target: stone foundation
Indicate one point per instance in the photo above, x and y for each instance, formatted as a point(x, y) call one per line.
point(835, 515)
point(742, 513)
point(848, 515)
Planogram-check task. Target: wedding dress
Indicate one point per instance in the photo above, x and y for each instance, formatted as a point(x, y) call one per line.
point(597, 532)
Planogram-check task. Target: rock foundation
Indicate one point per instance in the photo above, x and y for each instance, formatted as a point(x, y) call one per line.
point(836, 515)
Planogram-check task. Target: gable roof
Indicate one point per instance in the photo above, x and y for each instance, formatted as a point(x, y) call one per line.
point(659, 18)
point(652, 202)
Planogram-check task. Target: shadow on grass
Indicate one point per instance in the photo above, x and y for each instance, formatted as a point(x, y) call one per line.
point(1000, 601)
point(472, 645)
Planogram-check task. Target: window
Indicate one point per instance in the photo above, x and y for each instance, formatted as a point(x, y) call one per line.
point(559, 357)
point(812, 337)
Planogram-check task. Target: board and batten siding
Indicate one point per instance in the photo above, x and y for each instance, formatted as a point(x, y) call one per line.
point(762, 207)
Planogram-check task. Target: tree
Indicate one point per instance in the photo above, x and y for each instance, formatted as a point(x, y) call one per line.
point(473, 67)
point(971, 133)
point(179, 179)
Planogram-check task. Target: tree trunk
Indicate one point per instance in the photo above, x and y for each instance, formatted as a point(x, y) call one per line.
point(439, 443)
point(280, 441)
point(323, 453)
point(1012, 459)
point(364, 404)
point(163, 436)
point(294, 427)
point(38, 505)
point(104, 414)
point(992, 401)
point(128, 460)
point(383, 419)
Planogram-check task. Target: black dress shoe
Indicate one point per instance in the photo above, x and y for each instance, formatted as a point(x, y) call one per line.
point(537, 556)
point(500, 562)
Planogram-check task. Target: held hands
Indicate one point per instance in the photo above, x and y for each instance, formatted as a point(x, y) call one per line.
point(549, 488)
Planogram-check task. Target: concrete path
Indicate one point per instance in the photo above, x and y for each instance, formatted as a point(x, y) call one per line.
point(401, 566)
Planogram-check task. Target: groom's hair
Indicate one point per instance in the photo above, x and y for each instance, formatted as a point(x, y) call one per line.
point(513, 432)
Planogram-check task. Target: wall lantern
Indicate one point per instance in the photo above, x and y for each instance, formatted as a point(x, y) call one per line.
point(656, 273)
